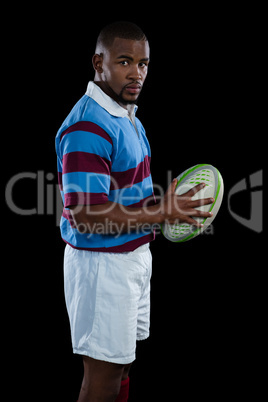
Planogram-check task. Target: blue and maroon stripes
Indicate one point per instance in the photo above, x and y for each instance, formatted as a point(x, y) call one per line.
point(101, 158)
point(131, 176)
point(87, 178)
point(89, 127)
point(85, 165)
point(85, 162)
point(85, 168)
point(126, 247)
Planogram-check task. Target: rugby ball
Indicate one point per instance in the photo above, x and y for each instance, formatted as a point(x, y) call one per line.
point(203, 173)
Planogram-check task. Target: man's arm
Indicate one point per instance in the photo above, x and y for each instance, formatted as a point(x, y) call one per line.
point(112, 217)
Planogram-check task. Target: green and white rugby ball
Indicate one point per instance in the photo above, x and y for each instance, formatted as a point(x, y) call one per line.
point(202, 173)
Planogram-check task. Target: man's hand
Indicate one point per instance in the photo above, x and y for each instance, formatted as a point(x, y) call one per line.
point(181, 208)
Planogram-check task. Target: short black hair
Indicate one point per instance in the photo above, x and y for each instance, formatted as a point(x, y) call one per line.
point(119, 29)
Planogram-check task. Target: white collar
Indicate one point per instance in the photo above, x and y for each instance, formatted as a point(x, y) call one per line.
point(107, 103)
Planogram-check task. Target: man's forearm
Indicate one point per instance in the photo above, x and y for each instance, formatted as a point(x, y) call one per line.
point(172, 209)
point(112, 217)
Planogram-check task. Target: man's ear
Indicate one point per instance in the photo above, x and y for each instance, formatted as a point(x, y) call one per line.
point(97, 62)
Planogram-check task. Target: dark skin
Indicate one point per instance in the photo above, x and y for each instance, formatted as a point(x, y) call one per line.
point(120, 72)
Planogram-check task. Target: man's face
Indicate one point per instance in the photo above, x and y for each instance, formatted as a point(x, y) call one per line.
point(125, 67)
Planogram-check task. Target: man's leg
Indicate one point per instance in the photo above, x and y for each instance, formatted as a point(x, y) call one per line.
point(124, 390)
point(102, 380)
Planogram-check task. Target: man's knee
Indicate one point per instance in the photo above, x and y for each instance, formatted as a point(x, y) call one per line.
point(102, 380)
point(126, 371)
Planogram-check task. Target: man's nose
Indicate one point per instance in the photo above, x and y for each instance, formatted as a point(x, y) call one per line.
point(135, 73)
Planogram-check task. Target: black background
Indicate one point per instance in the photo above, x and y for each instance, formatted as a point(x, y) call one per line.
point(201, 104)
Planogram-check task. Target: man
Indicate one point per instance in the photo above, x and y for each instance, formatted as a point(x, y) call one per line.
point(109, 209)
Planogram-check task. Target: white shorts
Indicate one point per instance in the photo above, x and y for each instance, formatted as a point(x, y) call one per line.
point(108, 302)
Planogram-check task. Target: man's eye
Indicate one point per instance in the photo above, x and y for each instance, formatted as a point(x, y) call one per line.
point(124, 62)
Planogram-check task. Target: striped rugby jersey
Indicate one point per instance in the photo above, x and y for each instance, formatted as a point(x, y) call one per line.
point(103, 155)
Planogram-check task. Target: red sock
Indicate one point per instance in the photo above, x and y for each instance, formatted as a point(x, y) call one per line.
point(124, 391)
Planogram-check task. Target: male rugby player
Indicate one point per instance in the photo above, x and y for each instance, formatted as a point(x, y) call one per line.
point(109, 209)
